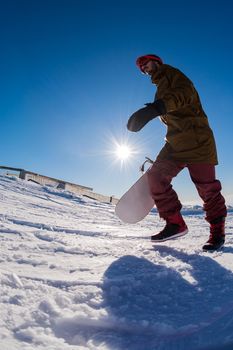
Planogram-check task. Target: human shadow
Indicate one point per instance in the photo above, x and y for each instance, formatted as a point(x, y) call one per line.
point(153, 306)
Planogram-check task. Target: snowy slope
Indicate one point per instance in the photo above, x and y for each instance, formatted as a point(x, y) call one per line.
point(74, 277)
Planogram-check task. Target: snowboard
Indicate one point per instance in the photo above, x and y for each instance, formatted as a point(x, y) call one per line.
point(136, 203)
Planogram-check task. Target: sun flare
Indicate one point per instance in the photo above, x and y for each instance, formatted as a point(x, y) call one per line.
point(123, 152)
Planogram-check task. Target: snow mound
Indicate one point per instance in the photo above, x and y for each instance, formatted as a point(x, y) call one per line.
point(74, 277)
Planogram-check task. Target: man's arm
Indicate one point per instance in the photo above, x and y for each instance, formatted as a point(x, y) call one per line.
point(140, 118)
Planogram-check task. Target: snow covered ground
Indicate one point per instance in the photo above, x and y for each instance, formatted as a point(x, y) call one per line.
point(74, 277)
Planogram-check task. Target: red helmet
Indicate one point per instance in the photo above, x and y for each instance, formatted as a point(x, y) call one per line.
point(144, 59)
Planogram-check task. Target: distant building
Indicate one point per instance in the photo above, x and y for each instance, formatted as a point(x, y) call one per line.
point(56, 183)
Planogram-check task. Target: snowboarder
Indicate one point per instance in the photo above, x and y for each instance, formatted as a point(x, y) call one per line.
point(189, 144)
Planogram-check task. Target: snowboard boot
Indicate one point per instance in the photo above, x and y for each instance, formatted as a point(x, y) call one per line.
point(175, 227)
point(217, 234)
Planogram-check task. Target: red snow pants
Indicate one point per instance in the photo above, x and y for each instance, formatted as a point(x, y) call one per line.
point(203, 176)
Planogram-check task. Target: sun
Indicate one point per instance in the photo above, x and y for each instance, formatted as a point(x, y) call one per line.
point(123, 152)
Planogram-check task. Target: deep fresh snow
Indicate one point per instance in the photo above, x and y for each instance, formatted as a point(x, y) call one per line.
point(74, 277)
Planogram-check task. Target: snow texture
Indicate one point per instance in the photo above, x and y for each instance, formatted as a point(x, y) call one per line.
point(73, 276)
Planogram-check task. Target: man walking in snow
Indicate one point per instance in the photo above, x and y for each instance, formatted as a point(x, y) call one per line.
point(189, 144)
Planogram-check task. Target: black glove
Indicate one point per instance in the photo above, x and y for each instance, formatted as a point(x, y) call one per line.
point(140, 118)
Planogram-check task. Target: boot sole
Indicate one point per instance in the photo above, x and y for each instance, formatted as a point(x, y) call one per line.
point(172, 237)
point(211, 248)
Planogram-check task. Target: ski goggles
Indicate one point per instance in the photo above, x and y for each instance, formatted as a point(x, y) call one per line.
point(143, 60)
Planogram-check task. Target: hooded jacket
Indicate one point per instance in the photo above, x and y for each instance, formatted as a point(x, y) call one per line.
point(189, 138)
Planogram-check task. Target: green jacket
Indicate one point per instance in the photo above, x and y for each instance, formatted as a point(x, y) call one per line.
point(189, 138)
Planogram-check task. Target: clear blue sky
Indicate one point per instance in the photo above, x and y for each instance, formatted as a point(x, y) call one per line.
point(69, 83)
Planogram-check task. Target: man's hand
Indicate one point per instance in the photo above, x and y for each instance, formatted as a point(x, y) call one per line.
point(140, 118)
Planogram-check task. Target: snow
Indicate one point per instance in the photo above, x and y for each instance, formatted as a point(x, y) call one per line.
point(73, 276)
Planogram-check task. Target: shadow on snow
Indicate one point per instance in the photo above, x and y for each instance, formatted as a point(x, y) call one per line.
point(155, 307)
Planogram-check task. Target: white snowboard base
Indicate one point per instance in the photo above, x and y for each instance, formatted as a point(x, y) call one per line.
point(136, 203)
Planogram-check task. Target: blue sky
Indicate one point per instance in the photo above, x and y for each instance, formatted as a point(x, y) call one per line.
point(69, 83)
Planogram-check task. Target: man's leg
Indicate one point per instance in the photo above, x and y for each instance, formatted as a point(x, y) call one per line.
point(209, 189)
point(166, 199)
point(160, 176)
